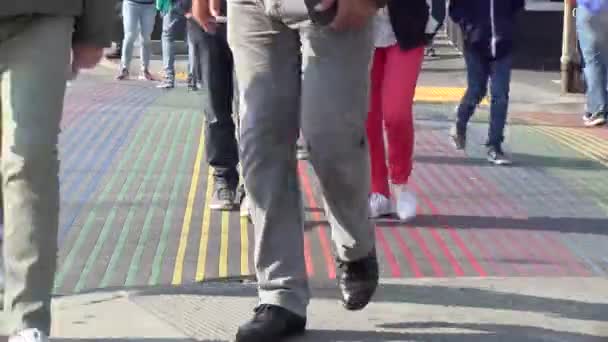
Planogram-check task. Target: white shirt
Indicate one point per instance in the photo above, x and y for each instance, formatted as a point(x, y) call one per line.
point(384, 36)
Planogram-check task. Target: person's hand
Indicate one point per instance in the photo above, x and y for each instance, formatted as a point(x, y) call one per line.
point(204, 12)
point(85, 56)
point(351, 13)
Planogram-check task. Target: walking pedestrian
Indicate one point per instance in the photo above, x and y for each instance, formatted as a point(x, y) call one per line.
point(174, 22)
point(592, 33)
point(138, 20)
point(37, 39)
point(488, 27)
point(325, 92)
point(401, 33)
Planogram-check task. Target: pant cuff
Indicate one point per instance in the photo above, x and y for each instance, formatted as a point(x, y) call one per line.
point(286, 299)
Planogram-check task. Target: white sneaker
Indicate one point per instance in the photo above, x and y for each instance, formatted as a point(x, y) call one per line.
point(379, 205)
point(405, 203)
point(29, 335)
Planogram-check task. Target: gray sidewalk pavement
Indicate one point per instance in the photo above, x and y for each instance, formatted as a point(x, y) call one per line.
point(452, 310)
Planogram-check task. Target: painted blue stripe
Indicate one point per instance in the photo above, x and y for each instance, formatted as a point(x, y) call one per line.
point(106, 162)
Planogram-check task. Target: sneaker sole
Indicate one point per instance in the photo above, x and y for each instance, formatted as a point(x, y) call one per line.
point(500, 162)
point(595, 123)
point(223, 207)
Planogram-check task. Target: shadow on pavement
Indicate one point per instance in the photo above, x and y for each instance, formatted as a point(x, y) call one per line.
point(551, 224)
point(519, 160)
point(485, 333)
point(463, 297)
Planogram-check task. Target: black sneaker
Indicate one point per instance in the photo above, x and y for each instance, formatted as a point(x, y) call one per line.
point(123, 74)
point(358, 281)
point(223, 198)
point(497, 157)
point(459, 139)
point(192, 86)
point(115, 53)
point(271, 323)
point(594, 120)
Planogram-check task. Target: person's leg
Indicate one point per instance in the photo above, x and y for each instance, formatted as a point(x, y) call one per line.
point(500, 87)
point(30, 166)
point(500, 82)
point(220, 130)
point(336, 67)
point(116, 51)
point(131, 24)
point(398, 90)
point(193, 56)
point(375, 132)
point(171, 24)
point(478, 72)
point(595, 69)
point(147, 21)
point(379, 199)
point(268, 72)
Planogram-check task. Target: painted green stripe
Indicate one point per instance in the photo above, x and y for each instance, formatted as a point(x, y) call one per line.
point(177, 190)
point(161, 180)
point(148, 177)
point(122, 196)
point(103, 197)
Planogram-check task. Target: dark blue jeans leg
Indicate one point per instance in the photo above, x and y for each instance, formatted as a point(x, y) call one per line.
point(217, 69)
point(500, 81)
point(478, 72)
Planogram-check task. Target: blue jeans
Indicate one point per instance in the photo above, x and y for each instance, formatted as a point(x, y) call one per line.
point(596, 62)
point(173, 22)
point(138, 19)
point(480, 70)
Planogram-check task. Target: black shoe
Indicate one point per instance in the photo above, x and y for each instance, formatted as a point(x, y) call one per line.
point(497, 157)
point(271, 323)
point(459, 139)
point(224, 197)
point(192, 86)
point(358, 281)
point(115, 53)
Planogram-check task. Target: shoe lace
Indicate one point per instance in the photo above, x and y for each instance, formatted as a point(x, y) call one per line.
point(224, 194)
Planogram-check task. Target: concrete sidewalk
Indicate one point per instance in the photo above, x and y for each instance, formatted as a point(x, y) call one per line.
point(455, 310)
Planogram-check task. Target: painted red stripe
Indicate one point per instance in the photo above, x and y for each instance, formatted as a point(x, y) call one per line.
point(407, 253)
point(310, 269)
point(388, 254)
point(415, 234)
point(528, 247)
point(473, 236)
point(566, 255)
point(325, 244)
point(438, 239)
point(463, 177)
point(472, 206)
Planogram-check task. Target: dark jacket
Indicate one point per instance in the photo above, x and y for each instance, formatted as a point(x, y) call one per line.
point(93, 17)
point(487, 25)
point(409, 19)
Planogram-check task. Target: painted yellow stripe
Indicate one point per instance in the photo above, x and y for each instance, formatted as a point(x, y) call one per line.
point(591, 143)
point(183, 239)
point(205, 226)
point(441, 94)
point(573, 144)
point(244, 246)
point(223, 271)
point(560, 139)
point(593, 148)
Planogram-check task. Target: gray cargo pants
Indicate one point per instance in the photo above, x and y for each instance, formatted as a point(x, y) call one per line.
point(325, 93)
point(34, 59)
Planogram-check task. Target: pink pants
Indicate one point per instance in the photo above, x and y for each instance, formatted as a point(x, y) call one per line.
point(393, 84)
